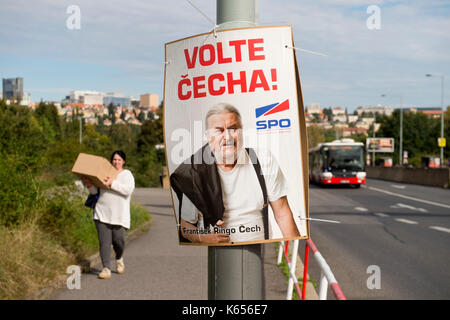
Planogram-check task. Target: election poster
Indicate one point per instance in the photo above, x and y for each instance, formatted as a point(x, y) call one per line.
point(235, 137)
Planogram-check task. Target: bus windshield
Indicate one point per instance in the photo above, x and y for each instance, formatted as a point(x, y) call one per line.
point(343, 157)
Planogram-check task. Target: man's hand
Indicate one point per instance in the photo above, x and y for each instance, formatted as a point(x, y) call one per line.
point(204, 238)
point(215, 237)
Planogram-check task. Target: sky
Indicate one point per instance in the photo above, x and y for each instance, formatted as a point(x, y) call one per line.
point(119, 47)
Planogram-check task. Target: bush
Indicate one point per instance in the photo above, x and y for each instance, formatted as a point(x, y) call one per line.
point(19, 191)
point(67, 219)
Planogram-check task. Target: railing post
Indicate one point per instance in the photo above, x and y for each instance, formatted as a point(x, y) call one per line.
point(292, 270)
point(280, 252)
point(305, 271)
point(323, 286)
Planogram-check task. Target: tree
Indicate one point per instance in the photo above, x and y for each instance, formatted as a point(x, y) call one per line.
point(315, 136)
point(329, 113)
point(48, 117)
point(151, 133)
point(420, 133)
point(112, 112)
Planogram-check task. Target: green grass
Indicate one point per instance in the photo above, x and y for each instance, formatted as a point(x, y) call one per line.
point(139, 216)
point(58, 234)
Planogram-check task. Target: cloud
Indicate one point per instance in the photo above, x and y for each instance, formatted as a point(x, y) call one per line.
point(126, 38)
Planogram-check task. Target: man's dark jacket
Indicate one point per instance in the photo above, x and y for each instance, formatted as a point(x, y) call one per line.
point(199, 180)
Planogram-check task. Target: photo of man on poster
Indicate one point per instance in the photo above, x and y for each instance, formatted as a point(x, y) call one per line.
point(224, 190)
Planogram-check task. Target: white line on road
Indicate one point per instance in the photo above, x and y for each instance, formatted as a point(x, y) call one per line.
point(361, 209)
point(406, 221)
point(411, 198)
point(382, 215)
point(440, 229)
point(398, 186)
point(401, 205)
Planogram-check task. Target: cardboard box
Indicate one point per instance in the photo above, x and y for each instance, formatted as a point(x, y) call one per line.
point(96, 168)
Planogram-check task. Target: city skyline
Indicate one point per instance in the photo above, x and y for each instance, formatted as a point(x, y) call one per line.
point(119, 47)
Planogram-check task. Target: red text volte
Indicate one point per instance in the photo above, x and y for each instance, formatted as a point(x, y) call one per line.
point(209, 54)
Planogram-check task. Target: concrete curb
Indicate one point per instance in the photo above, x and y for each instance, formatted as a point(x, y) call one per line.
point(85, 265)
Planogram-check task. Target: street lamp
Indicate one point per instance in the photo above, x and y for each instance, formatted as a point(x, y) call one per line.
point(401, 129)
point(81, 126)
point(442, 111)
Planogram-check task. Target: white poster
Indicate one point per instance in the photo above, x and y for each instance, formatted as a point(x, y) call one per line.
point(235, 137)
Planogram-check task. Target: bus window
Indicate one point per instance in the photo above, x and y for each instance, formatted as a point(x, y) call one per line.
point(344, 157)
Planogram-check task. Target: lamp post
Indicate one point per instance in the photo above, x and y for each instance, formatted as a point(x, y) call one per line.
point(401, 129)
point(81, 126)
point(236, 272)
point(442, 111)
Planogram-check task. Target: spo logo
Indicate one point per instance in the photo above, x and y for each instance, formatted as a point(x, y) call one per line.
point(273, 123)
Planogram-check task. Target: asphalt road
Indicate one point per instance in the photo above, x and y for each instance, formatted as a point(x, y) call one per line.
point(402, 230)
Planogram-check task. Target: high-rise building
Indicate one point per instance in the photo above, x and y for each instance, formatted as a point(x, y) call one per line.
point(117, 99)
point(13, 88)
point(85, 96)
point(314, 108)
point(91, 99)
point(149, 100)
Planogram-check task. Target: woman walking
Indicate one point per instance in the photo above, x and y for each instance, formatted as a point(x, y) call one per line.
point(112, 214)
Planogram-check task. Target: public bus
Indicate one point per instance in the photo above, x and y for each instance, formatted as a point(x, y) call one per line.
point(337, 162)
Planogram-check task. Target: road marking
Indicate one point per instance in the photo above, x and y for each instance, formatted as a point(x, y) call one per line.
point(440, 229)
point(361, 209)
point(382, 215)
point(398, 186)
point(401, 205)
point(406, 221)
point(411, 198)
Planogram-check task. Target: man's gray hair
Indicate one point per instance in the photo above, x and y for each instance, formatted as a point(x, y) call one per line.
point(222, 108)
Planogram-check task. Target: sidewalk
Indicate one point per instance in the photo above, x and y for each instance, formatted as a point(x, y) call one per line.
point(158, 268)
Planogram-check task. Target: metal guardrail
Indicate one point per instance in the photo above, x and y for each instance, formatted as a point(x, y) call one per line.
point(327, 278)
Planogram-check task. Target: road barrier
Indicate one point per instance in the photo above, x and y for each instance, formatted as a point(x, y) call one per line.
point(326, 275)
point(292, 265)
point(438, 177)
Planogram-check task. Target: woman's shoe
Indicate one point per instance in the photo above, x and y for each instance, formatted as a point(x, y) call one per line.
point(105, 274)
point(120, 266)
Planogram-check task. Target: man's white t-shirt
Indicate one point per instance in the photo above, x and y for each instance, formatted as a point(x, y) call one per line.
point(243, 197)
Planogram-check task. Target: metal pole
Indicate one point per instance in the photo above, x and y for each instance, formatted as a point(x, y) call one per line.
point(236, 272)
point(280, 252)
point(401, 131)
point(292, 270)
point(79, 117)
point(442, 118)
point(323, 287)
point(305, 271)
point(236, 14)
point(373, 153)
